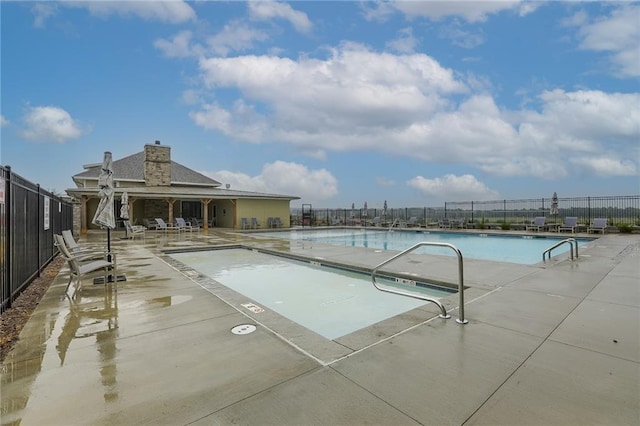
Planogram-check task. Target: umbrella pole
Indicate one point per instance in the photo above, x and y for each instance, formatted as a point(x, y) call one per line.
point(110, 277)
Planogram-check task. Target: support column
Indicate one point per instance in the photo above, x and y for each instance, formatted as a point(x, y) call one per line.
point(235, 214)
point(205, 213)
point(170, 202)
point(83, 214)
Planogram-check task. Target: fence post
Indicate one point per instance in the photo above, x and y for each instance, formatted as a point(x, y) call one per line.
point(8, 203)
point(504, 211)
point(445, 209)
point(472, 211)
point(589, 209)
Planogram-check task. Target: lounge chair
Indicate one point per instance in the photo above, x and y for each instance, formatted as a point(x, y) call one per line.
point(376, 221)
point(457, 223)
point(150, 224)
point(133, 230)
point(78, 268)
point(184, 225)
point(444, 223)
point(598, 225)
point(413, 221)
point(276, 222)
point(244, 223)
point(254, 223)
point(538, 224)
point(161, 225)
point(570, 224)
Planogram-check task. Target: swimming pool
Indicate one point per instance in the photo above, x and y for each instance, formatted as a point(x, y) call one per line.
point(521, 249)
point(329, 301)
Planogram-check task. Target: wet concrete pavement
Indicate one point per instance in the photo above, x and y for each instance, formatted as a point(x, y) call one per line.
point(554, 343)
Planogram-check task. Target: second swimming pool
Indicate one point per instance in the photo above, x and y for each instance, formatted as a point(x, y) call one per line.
point(521, 249)
point(331, 302)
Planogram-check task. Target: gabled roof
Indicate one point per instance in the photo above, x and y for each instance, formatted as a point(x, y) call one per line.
point(131, 169)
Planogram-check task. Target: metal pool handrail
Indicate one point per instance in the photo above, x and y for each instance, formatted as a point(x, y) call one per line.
point(571, 241)
point(444, 314)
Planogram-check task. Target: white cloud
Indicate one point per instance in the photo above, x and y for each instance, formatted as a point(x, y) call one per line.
point(453, 188)
point(43, 11)
point(405, 42)
point(602, 166)
point(170, 11)
point(463, 38)
point(49, 123)
point(356, 99)
point(235, 36)
point(3, 121)
point(618, 34)
point(178, 47)
point(383, 181)
point(471, 11)
point(284, 178)
point(267, 10)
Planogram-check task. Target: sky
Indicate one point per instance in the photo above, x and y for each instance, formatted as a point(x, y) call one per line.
point(337, 102)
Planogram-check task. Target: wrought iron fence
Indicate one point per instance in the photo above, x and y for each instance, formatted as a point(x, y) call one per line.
point(29, 216)
point(619, 210)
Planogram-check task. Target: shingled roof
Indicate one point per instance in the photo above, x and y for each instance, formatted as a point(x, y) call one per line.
point(131, 169)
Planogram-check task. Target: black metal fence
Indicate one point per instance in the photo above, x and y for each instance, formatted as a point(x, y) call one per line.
point(29, 216)
point(619, 210)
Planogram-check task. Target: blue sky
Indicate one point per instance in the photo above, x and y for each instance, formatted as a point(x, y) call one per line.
point(416, 103)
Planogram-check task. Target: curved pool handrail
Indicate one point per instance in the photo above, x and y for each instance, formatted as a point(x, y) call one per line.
point(461, 319)
point(570, 241)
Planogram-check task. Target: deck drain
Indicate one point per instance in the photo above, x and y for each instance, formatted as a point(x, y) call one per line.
point(243, 329)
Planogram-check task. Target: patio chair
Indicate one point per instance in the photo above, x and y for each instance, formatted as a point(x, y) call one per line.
point(457, 223)
point(254, 223)
point(276, 222)
point(570, 224)
point(150, 224)
point(537, 225)
point(161, 225)
point(376, 221)
point(598, 225)
point(133, 230)
point(184, 225)
point(413, 221)
point(244, 223)
point(444, 223)
point(79, 269)
point(75, 248)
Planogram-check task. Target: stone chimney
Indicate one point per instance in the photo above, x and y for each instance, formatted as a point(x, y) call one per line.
point(157, 165)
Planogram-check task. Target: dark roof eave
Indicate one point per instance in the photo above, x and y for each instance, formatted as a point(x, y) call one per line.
point(214, 193)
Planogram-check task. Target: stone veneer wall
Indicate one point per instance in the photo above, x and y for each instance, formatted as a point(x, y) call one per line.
point(157, 165)
point(77, 219)
point(156, 208)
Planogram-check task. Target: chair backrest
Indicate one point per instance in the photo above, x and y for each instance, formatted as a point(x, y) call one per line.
point(59, 242)
point(570, 221)
point(412, 220)
point(127, 224)
point(161, 223)
point(539, 221)
point(181, 222)
point(69, 240)
point(599, 222)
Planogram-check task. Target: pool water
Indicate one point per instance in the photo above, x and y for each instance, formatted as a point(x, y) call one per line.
point(329, 301)
point(521, 249)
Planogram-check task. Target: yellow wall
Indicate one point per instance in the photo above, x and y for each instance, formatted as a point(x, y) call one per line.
point(262, 210)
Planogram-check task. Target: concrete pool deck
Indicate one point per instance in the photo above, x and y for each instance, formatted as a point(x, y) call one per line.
point(555, 343)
